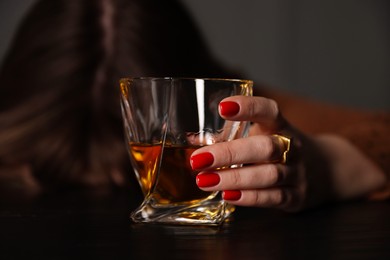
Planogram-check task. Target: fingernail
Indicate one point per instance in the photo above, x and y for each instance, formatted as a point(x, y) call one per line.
point(229, 108)
point(231, 195)
point(207, 179)
point(201, 161)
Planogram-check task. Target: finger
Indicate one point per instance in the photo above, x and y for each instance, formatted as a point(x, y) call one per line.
point(258, 149)
point(245, 178)
point(260, 110)
point(288, 199)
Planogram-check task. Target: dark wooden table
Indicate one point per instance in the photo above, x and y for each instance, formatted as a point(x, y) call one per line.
point(76, 225)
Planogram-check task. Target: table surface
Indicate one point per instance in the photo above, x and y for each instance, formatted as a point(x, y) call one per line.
point(80, 225)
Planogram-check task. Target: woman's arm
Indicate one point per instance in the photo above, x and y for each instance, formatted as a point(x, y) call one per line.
point(368, 131)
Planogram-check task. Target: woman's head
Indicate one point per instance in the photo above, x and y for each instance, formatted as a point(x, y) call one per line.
point(59, 109)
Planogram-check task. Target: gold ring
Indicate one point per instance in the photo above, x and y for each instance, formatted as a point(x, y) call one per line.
point(286, 144)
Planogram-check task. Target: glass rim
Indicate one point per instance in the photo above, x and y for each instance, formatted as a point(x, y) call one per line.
point(247, 81)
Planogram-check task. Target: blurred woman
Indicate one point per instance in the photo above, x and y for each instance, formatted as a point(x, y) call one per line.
point(61, 128)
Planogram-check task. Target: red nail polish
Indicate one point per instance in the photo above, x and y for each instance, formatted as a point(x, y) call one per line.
point(208, 179)
point(229, 108)
point(231, 195)
point(202, 160)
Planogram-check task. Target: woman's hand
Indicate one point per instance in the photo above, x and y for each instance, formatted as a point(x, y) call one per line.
point(282, 167)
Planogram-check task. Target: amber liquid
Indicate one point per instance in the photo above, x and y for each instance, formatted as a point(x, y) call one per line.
point(175, 181)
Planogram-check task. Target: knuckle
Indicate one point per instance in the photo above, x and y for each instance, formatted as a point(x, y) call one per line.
point(279, 197)
point(261, 198)
point(269, 198)
point(264, 146)
point(272, 175)
point(269, 147)
point(257, 198)
point(231, 153)
point(236, 179)
point(228, 154)
point(252, 108)
point(274, 108)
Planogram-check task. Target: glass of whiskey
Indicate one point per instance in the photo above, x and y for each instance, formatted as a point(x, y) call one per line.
point(165, 120)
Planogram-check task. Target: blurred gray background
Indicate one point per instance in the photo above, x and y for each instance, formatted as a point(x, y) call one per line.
point(336, 51)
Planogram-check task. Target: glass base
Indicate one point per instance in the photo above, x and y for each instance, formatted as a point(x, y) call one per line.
point(211, 213)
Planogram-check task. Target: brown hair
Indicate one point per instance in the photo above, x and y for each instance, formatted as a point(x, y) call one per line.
point(59, 106)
